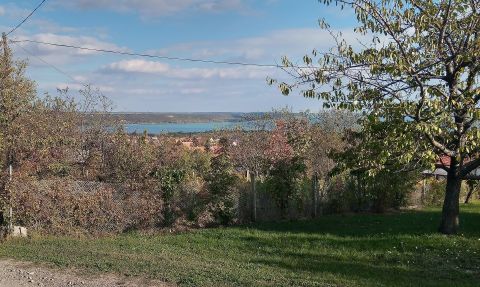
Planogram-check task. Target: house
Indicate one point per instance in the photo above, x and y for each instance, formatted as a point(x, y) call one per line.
point(444, 162)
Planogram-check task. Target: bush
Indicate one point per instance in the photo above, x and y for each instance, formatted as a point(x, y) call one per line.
point(191, 198)
point(435, 191)
point(68, 207)
point(361, 192)
point(284, 182)
point(221, 185)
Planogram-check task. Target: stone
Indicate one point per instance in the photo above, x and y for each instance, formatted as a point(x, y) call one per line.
point(19, 231)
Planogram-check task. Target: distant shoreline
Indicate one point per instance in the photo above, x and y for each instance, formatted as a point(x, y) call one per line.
point(176, 118)
point(180, 128)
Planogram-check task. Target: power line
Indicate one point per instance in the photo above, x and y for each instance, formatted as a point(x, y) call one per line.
point(150, 56)
point(172, 57)
point(50, 65)
point(26, 18)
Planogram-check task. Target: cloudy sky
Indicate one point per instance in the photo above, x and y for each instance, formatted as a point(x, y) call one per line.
point(251, 31)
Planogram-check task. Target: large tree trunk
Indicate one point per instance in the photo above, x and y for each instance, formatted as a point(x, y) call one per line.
point(450, 211)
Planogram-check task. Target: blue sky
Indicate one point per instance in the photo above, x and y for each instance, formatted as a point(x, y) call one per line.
point(231, 30)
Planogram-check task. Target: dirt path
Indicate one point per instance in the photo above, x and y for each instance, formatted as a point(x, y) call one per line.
point(19, 274)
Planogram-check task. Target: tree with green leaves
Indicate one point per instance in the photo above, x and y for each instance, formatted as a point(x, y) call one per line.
point(416, 83)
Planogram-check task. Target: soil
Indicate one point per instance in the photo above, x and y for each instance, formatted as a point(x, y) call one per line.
point(23, 274)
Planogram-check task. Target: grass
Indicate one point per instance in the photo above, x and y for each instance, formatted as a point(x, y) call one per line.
point(400, 249)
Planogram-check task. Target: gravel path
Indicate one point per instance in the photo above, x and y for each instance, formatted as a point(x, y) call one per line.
point(20, 274)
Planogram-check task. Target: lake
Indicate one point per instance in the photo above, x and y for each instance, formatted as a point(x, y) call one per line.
point(162, 128)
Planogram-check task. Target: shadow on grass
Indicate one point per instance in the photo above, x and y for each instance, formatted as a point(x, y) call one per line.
point(400, 249)
point(361, 225)
point(360, 273)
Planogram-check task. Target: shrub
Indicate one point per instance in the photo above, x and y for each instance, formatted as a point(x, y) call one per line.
point(435, 192)
point(340, 195)
point(362, 192)
point(221, 186)
point(191, 198)
point(68, 207)
point(169, 179)
point(284, 181)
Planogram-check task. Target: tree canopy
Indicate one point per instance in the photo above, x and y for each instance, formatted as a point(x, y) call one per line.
point(416, 83)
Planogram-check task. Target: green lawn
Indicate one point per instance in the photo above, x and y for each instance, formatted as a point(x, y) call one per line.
point(353, 250)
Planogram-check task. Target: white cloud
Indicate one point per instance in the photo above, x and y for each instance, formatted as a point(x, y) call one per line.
point(268, 48)
point(142, 84)
point(158, 68)
point(83, 41)
point(192, 91)
point(218, 6)
point(151, 8)
point(136, 84)
point(139, 85)
point(13, 11)
point(47, 26)
point(138, 66)
point(61, 55)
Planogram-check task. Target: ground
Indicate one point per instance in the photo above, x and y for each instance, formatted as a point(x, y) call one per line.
point(21, 274)
point(398, 249)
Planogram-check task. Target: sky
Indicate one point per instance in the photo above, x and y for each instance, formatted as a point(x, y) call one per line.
point(250, 31)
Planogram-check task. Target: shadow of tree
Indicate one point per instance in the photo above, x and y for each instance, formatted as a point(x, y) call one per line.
point(401, 249)
point(359, 274)
point(359, 225)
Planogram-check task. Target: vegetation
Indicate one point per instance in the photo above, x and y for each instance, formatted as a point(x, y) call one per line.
point(398, 249)
point(411, 99)
point(96, 179)
point(86, 175)
point(416, 83)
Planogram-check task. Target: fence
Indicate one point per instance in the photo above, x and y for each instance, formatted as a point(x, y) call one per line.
point(90, 207)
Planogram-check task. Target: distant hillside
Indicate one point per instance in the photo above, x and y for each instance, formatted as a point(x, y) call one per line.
point(147, 118)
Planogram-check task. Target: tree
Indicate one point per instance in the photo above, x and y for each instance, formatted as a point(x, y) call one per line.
point(418, 77)
point(17, 93)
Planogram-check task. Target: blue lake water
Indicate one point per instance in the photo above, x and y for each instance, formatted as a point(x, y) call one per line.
point(162, 128)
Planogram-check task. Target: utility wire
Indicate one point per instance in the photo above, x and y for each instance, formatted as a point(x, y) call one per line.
point(29, 15)
point(150, 56)
point(171, 57)
point(48, 64)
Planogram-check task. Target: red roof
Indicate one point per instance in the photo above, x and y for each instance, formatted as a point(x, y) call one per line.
point(445, 161)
